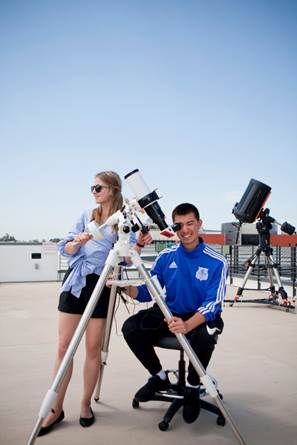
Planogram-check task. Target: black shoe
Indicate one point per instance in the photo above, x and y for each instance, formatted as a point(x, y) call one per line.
point(87, 421)
point(153, 385)
point(46, 429)
point(191, 407)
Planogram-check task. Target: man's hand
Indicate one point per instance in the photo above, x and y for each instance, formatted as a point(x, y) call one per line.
point(176, 325)
point(144, 239)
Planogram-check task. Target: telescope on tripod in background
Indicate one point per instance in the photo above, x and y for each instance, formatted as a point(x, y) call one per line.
point(249, 209)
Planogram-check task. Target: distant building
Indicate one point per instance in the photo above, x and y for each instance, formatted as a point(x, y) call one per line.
point(22, 262)
point(36, 261)
point(245, 235)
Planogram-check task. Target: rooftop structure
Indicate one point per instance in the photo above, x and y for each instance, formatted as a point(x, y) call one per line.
point(255, 363)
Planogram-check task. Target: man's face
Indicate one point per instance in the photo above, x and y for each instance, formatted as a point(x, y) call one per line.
point(190, 226)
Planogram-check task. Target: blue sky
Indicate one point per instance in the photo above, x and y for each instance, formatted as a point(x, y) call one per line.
point(199, 95)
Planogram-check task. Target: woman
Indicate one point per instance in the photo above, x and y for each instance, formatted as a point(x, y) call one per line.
point(87, 257)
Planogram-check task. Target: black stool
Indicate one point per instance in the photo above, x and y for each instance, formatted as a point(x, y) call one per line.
point(175, 394)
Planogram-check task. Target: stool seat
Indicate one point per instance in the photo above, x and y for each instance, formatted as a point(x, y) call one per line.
point(169, 342)
point(176, 391)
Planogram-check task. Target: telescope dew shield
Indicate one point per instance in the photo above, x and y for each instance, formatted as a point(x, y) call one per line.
point(146, 199)
point(137, 184)
point(252, 201)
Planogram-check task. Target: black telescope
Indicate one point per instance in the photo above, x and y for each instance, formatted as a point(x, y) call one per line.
point(251, 207)
point(252, 202)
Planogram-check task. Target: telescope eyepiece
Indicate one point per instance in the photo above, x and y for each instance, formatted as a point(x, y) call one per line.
point(176, 227)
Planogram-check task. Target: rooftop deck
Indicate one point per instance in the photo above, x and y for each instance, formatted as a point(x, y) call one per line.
point(255, 363)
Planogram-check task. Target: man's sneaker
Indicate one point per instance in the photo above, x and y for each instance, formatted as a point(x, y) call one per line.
point(153, 385)
point(191, 407)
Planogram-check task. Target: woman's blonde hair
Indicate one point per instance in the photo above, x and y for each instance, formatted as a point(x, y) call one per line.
point(113, 180)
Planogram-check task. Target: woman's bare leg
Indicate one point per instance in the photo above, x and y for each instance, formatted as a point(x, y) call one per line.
point(67, 326)
point(94, 338)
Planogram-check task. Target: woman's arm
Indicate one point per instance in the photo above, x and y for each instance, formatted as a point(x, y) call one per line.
point(79, 240)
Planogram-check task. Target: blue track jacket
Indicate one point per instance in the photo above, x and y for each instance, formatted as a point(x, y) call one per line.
point(194, 281)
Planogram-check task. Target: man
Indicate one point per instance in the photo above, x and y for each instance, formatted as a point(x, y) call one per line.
point(194, 277)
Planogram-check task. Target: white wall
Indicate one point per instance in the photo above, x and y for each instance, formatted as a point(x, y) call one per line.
point(16, 263)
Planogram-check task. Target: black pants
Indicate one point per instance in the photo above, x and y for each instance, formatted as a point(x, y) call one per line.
point(142, 330)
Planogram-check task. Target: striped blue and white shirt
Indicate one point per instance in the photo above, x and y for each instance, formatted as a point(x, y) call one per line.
point(90, 258)
point(194, 281)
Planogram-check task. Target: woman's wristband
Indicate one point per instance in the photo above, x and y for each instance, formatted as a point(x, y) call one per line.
point(140, 245)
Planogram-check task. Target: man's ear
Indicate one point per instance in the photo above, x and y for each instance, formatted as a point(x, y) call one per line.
point(200, 222)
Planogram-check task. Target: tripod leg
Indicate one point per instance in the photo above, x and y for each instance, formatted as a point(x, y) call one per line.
point(109, 319)
point(270, 266)
point(156, 291)
point(246, 277)
point(281, 290)
point(77, 336)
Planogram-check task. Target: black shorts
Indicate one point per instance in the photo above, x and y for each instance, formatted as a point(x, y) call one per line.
point(72, 305)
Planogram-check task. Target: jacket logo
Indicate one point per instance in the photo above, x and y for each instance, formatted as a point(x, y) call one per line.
point(173, 265)
point(202, 274)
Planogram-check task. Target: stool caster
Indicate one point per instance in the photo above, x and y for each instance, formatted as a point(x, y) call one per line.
point(163, 426)
point(135, 404)
point(221, 420)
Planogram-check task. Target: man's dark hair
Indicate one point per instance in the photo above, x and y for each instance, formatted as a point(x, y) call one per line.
point(184, 209)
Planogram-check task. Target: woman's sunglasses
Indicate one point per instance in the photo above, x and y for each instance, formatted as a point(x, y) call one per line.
point(97, 188)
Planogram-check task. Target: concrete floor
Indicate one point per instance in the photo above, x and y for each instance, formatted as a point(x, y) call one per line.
point(255, 363)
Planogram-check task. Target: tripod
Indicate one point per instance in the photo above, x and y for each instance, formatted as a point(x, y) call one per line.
point(264, 226)
point(122, 249)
